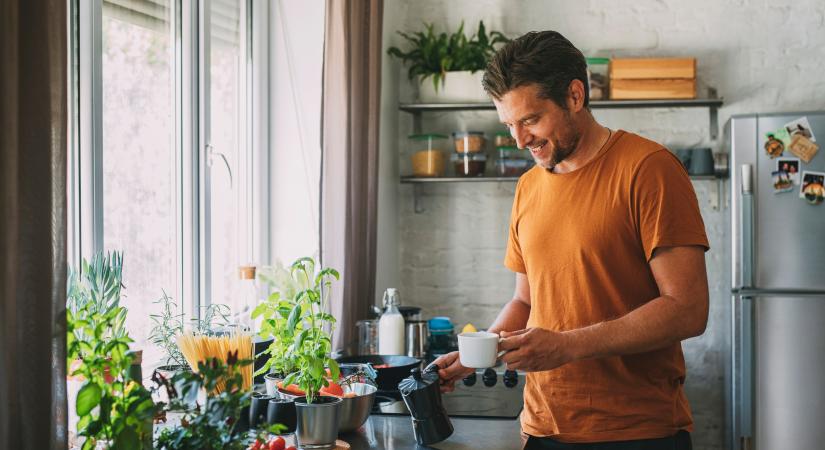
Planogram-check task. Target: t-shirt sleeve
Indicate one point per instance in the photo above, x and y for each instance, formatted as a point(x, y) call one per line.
point(513, 259)
point(666, 210)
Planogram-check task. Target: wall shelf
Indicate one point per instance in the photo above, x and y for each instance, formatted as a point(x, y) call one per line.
point(422, 181)
point(712, 103)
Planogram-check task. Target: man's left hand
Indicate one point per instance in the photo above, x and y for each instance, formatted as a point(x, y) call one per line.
point(535, 349)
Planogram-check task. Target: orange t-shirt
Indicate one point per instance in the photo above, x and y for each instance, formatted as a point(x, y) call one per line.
point(584, 239)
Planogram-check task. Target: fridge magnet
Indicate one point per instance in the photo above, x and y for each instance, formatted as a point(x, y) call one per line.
point(813, 187)
point(803, 147)
point(776, 142)
point(781, 182)
point(789, 166)
point(801, 127)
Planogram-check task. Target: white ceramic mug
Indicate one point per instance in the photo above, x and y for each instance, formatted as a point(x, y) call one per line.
point(478, 350)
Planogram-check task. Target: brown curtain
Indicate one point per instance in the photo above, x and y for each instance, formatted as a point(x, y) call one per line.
point(32, 232)
point(349, 168)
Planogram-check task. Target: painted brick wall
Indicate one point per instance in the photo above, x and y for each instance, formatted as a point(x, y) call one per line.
point(760, 55)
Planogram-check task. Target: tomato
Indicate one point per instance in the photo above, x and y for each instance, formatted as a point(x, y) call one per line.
point(255, 446)
point(333, 389)
point(277, 444)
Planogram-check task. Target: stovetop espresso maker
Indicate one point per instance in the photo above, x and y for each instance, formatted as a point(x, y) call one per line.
point(422, 396)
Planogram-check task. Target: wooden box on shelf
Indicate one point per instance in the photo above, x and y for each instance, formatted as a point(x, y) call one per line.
point(652, 78)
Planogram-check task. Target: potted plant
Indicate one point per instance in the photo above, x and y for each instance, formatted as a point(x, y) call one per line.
point(168, 325)
point(108, 408)
point(274, 318)
point(310, 325)
point(453, 63)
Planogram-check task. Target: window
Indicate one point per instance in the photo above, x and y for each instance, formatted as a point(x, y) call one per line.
point(161, 164)
point(139, 153)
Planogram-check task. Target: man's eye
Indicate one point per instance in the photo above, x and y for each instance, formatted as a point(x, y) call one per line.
point(530, 121)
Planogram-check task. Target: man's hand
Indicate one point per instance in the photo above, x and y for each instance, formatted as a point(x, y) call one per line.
point(451, 370)
point(535, 349)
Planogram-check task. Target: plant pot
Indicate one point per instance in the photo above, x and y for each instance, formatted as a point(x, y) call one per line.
point(458, 87)
point(317, 426)
point(258, 410)
point(282, 411)
point(271, 382)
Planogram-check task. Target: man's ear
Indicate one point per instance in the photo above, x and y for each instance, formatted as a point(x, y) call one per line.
point(575, 96)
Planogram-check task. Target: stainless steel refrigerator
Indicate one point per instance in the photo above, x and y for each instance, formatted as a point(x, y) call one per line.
point(776, 375)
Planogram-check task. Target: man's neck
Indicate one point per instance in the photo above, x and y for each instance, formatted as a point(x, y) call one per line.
point(594, 138)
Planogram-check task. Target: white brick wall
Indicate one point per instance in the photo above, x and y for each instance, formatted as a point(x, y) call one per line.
point(760, 55)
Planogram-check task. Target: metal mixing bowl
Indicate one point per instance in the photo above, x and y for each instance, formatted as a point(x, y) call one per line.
point(355, 410)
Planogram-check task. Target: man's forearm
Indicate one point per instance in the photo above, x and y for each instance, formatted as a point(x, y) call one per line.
point(512, 317)
point(656, 324)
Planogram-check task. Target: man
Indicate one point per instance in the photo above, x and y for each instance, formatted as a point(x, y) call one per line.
point(608, 244)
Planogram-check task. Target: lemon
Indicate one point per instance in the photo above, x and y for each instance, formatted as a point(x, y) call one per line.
point(469, 328)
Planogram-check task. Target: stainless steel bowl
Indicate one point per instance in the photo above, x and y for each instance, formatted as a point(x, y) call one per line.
point(355, 410)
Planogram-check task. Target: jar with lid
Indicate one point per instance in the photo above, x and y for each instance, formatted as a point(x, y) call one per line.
point(428, 161)
point(469, 164)
point(247, 295)
point(504, 139)
point(469, 141)
point(598, 76)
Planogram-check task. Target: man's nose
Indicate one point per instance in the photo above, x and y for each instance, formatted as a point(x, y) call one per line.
point(521, 136)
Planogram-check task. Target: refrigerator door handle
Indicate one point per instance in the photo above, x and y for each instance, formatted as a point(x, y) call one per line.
point(746, 220)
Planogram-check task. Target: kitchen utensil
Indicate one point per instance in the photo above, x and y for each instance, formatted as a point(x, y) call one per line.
point(399, 367)
point(701, 162)
point(422, 396)
point(355, 410)
point(478, 350)
point(367, 337)
point(417, 338)
point(410, 312)
point(282, 411)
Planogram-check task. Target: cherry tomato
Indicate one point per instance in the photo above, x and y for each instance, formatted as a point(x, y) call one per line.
point(277, 444)
point(255, 446)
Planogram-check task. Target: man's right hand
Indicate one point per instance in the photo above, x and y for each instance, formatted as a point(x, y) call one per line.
point(451, 371)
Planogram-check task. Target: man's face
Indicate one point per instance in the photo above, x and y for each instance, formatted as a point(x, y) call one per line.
point(538, 124)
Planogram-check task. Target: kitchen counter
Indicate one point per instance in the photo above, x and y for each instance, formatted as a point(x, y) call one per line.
point(396, 433)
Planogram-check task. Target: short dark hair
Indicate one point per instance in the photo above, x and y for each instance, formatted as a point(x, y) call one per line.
point(545, 58)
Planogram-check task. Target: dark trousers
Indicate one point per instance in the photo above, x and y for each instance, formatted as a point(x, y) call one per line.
point(679, 441)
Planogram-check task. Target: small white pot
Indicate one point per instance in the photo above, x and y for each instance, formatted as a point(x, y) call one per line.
point(458, 87)
point(271, 382)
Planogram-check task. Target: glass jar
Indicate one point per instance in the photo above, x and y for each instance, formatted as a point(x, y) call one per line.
point(469, 164)
point(247, 298)
point(504, 139)
point(469, 141)
point(429, 161)
point(512, 153)
point(512, 167)
point(598, 75)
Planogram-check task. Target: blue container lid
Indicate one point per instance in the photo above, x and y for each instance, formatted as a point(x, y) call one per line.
point(441, 324)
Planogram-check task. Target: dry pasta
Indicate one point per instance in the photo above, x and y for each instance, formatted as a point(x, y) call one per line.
point(199, 348)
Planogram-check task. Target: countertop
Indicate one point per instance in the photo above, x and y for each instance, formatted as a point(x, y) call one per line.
point(396, 433)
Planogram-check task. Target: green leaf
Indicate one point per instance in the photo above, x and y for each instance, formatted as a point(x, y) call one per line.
point(87, 398)
point(294, 317)
point(334, 370)
point(127, 439)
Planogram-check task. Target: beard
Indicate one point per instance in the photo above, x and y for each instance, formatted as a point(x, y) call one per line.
point(562, 147)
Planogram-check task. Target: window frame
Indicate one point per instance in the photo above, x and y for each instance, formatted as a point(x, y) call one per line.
point(191, 103)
